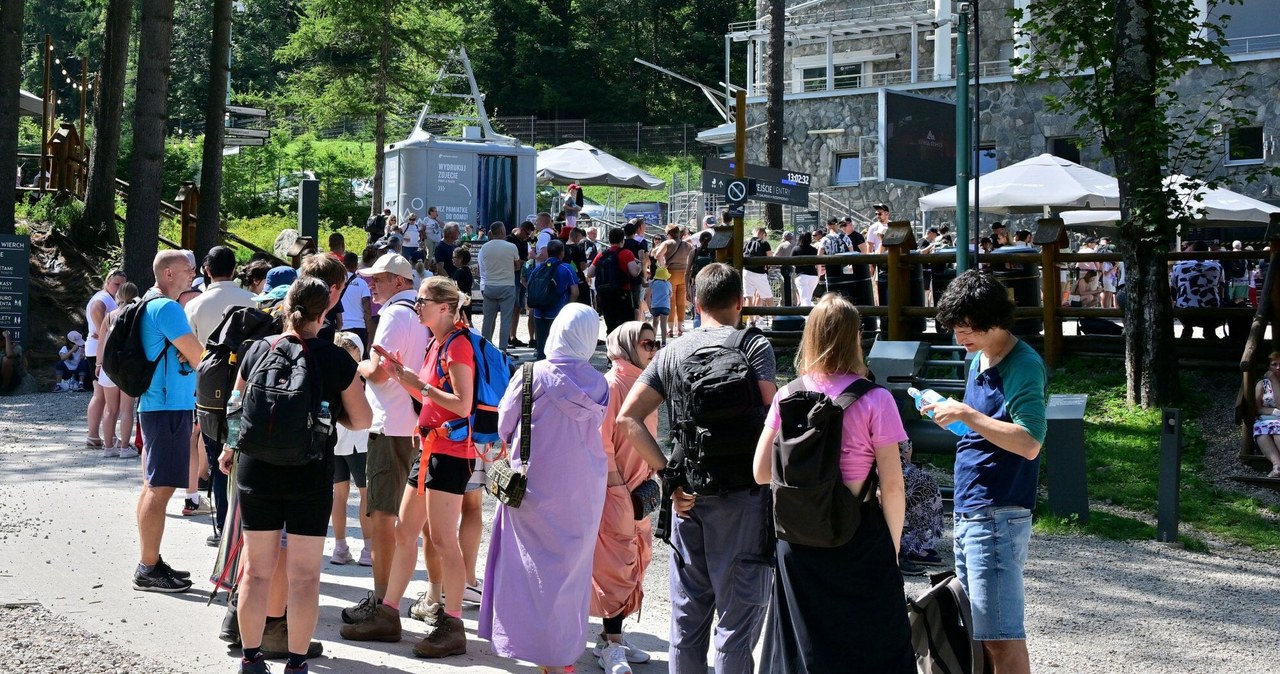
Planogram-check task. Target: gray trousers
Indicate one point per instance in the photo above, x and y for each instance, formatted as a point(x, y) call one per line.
point(498, 299)
point(722, 542)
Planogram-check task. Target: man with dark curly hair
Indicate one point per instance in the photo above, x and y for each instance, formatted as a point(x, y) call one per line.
point(997, 461)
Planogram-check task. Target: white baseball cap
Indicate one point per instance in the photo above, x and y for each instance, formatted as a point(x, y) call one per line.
point(390, 263)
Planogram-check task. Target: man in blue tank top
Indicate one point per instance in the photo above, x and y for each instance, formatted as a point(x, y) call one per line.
point(997, 461)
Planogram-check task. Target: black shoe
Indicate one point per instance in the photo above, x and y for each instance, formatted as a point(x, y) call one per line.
point(931, 559)
point(213, 541)
point(203, 484)
point(159, 581)
point(230, 631)
point(910, 568)
point(256, 666)
point(515, 342)
point(160, 564)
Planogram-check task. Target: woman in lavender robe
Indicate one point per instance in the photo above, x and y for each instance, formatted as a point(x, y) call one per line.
point(538, 576)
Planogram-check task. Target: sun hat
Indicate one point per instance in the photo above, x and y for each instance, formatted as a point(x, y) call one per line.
point(391, 263)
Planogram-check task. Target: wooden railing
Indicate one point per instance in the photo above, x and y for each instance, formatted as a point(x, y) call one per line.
point(1256, 350)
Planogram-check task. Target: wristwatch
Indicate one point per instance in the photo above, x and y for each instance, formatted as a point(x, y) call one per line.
point(425, 389)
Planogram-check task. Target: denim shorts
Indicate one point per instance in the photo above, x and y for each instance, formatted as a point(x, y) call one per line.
point(991, 551)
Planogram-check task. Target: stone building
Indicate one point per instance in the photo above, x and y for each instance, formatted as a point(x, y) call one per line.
point(841, 53)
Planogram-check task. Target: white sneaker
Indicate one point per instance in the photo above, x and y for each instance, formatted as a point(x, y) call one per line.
point(128, 452)
point(613, 659)
point(472, 594)
point(110, 452)
point(634, 655)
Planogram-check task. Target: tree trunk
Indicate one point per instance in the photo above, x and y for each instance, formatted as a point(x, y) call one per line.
point(379, 200)
point(150, 115)
point(1138, 144)
point(773, 108)
point(97, 225)
point(209, 212)
point(10, 77)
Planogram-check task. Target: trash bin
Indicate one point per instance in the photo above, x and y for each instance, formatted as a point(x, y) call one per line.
point(857, 287)
point(1023, 282)
point(915, 296)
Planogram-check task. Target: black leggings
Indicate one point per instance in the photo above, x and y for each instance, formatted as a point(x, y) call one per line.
point(614, 625)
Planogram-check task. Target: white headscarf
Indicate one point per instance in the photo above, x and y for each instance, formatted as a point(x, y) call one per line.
point(574, 333)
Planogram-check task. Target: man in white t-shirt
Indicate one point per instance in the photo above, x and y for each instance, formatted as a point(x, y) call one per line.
point(499, 263)
point(205, 312)
point(357, 302)
point(545, 234)
point(877, 230)
point(391, 450)
point(412, 234)
point(434, 230)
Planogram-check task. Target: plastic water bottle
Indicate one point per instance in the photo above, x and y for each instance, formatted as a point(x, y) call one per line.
point(929, 397)
point(233, 418)
point(324, 420)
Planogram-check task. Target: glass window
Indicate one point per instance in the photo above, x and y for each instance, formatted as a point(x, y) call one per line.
point(848, 76)
point(1065, 147)
point(848, 169)
point(1244, 145)
point(985, 161)
point(815, 79)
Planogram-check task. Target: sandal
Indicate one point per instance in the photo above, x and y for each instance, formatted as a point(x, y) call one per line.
point(93, 443)
point(1275, 473)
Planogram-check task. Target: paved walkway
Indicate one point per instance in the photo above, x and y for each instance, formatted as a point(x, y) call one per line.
point(67, 540)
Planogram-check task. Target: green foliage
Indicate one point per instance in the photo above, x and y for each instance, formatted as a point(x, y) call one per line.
point(1122, 454)
point(52, 209)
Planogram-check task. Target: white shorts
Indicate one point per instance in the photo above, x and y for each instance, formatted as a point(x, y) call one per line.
point(754, 283)
point(1108, 284)
point(105, 381)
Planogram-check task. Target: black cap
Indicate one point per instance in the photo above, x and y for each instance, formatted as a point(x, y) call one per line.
point(881, 207)
point(998, 225)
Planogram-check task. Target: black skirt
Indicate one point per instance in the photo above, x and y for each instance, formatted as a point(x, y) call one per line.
point(840, 609)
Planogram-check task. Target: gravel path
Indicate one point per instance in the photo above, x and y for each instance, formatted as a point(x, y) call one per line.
point(67, 541)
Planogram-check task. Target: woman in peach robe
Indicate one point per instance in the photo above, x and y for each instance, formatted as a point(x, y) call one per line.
point(624, 547)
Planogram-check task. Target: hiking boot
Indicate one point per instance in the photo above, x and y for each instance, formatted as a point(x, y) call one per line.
point(341, 555)
point(613, 659)
point(275, 640)
point(425, 610)
point(161, 564)
point(230, 631)
point(255, 666)
point(634, 655)
point(383, 625)
point(361, 611)
point(159, 580)
point(448, 638)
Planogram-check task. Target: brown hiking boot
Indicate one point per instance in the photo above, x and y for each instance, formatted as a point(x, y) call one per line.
point(275, 640)
point(448, 638)
point(383, 625)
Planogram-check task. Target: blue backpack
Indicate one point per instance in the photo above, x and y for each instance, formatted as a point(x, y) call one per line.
point(492, 374)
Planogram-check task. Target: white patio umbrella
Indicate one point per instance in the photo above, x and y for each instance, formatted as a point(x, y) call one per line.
point(581, 163)
point(1218, 207)
point(1034, 185)
point(30, 104)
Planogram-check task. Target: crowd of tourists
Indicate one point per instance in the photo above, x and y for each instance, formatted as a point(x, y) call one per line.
point(364, 370)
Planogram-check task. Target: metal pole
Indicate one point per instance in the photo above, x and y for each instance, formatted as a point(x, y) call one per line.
point(962, 139)
point(977, 132)
point(1170, 463)
point(739, 170)
point(49, 112)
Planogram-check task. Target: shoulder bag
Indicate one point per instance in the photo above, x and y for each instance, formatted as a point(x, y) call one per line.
point(506, 484)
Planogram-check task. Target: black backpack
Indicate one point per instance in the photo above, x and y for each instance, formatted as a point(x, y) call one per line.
point(216, 373)
point(123, 357)
point(282, 397)
point(544, 288)
point(609, 277)
point(811, 504)
point(942, 629)
point(718, 415)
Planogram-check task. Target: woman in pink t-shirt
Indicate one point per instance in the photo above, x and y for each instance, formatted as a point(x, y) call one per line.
point(833, 607)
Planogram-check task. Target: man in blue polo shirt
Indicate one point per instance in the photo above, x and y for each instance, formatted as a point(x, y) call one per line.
point(566, 281)
point(997, 461)
point(165, 411)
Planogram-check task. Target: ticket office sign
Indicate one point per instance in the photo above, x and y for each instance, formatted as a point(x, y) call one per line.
point(15, 281)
